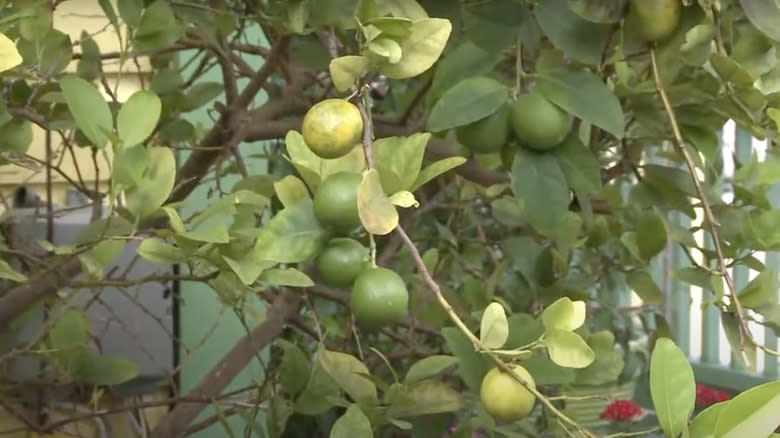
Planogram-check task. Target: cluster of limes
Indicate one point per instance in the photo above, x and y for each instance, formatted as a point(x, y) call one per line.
point(331, 129)
point(530, 120)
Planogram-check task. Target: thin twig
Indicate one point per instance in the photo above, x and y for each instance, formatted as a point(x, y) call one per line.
point(679, 143)
point(434, 287)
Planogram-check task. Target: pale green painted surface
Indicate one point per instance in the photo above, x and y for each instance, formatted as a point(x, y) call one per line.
point(202, 315)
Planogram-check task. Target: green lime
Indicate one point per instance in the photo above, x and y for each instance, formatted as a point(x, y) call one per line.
point(379, 297)
point(341, 262)
point(538, 123)
point(335, 201)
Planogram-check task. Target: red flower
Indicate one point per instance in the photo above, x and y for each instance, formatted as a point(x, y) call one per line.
point(706, 396)
point(621, 410)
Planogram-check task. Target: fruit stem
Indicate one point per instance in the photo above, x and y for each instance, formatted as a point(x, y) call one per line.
point(519, 73)
point(372, 249)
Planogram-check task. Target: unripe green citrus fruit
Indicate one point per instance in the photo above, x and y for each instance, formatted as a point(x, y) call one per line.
point(332, 128)
point(379, 297)
point(341, 262)
point(504, 398)
point(335, 201)
point(538, 123)
point(486, 135)
point(653, 20)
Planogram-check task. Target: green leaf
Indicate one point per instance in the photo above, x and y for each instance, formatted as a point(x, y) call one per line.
point(581, 40)
point(103, 369)
point(463, 62)
point(402, 8)
point(404, 199)
point(421, 49)
point(55, 52)
point(157, 251)
point(90, 111)
point(427, 398)
point(547, 372)
point(213, 233)
point(110, 13)
point(765, 15)
point(200, 94)
point(752, 413)
point(399, 159)
point(743, 352)
point(643, 284)
point(157, 28)
point(130, 11)
point(672, 387)
point(154, 186)
point(386, 48)
point(320, 389)
point(598, 11)
point(703, 425)
point(524, 330)
point(539, 184)
point(345, 369)
point(286, 277)
point(292, 236)
point(651, 235)
point(568, 349)
point(579, 165)
point(17, 135)
point(347, 70)
point(353, 423)
point(291, 190)
point(760, 291)
point(428, 367)
point(377, 213)
point(138, 117)
point(314, 169)
point(437, 168)
point(564, 314)
point(9, 273)
point(576, 92)
point(468, 101)
point(472, 365)
point(69, 330)
point(294, 369)
point(494, 328)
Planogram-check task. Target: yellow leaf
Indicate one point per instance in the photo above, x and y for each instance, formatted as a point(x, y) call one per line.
point(9, 55)
point(377, 213)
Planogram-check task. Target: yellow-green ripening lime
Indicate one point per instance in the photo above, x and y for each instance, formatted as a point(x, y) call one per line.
point(504, 398)
point(332, 128)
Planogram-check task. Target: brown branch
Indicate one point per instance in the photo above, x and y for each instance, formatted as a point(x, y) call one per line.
point(176, 422)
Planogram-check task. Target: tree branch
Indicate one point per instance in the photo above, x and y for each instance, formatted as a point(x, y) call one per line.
point(176, 422)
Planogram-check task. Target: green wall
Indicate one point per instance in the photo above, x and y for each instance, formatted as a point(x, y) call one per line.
point(200, 309)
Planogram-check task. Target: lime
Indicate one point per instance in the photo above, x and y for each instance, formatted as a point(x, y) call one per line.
point(332, 128)
point(341, 261)
point(335, 201)
point(379, 297)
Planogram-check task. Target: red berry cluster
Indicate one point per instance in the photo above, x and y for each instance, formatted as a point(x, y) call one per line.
point(706, 396)
point(621, 410)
